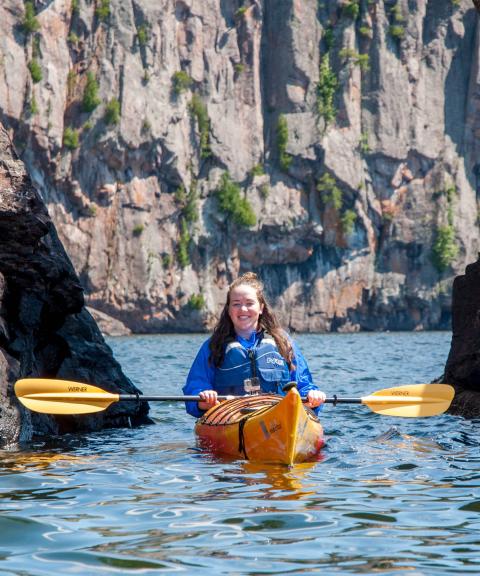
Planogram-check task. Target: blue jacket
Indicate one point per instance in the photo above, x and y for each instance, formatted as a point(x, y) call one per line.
point(205, 376)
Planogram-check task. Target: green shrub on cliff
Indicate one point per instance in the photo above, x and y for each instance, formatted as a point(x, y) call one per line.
point(240, 13)
point(181, 82)
point(183, 245)
point(90, 95)
point(397, 14)
point(73, 39)
point(71, 82)
point(239, 67)
point(166, 260)
point(330, 192)
point(198, 111)
point(196, 301)
point(445, 247)
point(35, 70)
point(363, 144)
point(30, 23)
point(328, 37)
point(70, 138)
point(231, 202)
point(190, 209)
point(348, 220)
point(112, 112)
point(366, 31)
point(138, 230)
point(361, 60)
point(142, 35)
point(257, 170)
point(284, 158)
point(326, 88)
point(33, 106)
point(102, 10)
point(180, 194)
point(351, 9)
point(396, 29)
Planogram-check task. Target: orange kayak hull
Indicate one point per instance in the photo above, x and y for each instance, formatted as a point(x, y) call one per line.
point(264, 428)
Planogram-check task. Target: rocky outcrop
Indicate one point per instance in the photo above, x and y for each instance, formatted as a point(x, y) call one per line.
point(45, 329)
point(463, 364)
point(108, 325)
point(349, 127)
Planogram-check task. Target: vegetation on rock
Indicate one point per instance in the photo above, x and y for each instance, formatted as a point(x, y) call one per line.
point(198, 111)
point(102, 10)
point(233, 204)
point(284, 158)
point(90, 95)
point(30, 24)
point(330, 192)
point(196, 302)
point(361, 60)
point(348, 220)
point(181, 82)
point(326, 89)
point(138, 230)
point(112, 112)
point(70, 138)
point(183, 245)
point(142, 35)
point(445, 248)
point(35, 70)
point(351, 9)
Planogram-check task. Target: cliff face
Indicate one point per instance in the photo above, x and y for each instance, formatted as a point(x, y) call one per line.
point(350, 129)
point(45, 329)
point(462, 369)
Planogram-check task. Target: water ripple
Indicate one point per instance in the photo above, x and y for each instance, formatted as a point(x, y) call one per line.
point(388, 495)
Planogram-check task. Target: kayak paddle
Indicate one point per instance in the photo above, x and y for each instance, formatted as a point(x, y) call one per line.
point(65, 397)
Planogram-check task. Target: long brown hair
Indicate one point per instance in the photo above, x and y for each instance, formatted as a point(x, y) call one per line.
point(267, 321)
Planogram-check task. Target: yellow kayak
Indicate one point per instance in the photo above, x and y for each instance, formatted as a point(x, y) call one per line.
point(263, 428)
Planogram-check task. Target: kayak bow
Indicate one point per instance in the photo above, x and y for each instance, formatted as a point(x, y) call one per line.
point(264, 428)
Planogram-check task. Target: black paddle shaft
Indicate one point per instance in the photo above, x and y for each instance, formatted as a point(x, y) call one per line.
point(141, 397)
point(336, 400)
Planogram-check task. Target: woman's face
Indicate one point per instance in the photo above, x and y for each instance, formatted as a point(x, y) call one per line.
point(244, 310)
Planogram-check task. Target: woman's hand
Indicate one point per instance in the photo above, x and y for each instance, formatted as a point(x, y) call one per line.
point(315, 398)
point(209, 399)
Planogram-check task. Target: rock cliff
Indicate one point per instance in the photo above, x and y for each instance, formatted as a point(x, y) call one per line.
point(329, 146)
point(463, 364)
point(45, 329)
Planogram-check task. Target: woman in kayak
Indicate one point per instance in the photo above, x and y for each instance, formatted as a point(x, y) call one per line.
point(248, 352)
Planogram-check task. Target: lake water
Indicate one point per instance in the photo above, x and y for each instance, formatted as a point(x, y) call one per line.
point(389, 496)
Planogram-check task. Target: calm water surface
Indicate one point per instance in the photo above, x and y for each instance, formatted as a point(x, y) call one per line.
point(390, 495)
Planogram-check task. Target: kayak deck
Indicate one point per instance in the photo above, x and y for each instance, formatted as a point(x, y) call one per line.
point(264, 428)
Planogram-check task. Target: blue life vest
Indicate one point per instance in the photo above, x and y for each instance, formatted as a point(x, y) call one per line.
point(262, 361)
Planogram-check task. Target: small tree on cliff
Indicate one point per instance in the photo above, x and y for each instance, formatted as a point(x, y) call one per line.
point(30, 23)
point(90, 95)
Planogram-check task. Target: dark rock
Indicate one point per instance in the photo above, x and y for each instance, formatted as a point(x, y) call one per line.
point(45, 329)
point(463, 364)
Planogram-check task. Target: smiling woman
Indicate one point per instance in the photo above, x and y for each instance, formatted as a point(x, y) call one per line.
point(248, 353)
point(244, 310)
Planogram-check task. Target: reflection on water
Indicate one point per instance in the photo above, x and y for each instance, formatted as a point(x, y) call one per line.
point(388, 496)
point(277, 482)
point(24, 461)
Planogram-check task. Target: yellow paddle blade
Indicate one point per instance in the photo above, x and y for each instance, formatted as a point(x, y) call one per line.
point(411, 401)
point(62, 396)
